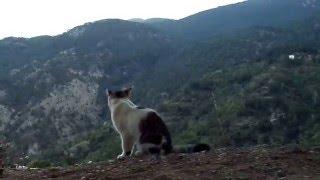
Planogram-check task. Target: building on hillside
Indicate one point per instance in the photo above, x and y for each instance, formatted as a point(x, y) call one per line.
point(291, 57)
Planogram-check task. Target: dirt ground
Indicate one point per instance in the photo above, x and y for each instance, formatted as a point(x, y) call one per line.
point(250, 163)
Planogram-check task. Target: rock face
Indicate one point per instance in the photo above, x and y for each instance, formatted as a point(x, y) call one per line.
point(65, 113)
point(5, 115)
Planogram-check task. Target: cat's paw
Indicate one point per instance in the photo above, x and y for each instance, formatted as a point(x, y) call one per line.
point(138, 153)
point(121, 157)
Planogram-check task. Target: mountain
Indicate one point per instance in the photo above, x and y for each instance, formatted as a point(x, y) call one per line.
point(238, 16)
point(222, 76)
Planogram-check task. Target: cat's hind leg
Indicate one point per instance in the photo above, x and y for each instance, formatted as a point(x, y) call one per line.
point(148, 148)
point(139, 150)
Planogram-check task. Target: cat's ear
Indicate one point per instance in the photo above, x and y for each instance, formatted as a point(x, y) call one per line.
point(128, 91)
point(108, 92)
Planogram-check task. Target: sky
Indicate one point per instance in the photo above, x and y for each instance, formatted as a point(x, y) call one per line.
point(29, 18)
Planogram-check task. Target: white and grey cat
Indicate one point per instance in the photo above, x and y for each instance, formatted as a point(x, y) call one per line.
point(141, 127)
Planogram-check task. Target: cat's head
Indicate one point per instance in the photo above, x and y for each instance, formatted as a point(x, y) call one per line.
point(117, 95)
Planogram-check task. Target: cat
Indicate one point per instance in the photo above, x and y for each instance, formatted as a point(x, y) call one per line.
point(142, 128)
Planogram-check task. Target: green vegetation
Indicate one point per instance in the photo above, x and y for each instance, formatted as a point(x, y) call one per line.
point(39, 164)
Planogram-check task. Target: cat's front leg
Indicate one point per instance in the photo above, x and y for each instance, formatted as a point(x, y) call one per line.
point(127, 143)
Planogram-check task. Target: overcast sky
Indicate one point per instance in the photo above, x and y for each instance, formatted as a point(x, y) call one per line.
point(28, 18)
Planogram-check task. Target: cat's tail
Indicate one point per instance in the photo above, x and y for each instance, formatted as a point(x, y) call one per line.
point(191, 148)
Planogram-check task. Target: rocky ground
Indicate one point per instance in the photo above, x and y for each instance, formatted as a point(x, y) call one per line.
point(249, 163)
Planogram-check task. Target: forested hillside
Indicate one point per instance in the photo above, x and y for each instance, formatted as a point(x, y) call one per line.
point(222, 76)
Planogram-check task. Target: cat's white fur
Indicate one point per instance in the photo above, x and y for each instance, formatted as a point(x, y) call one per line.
point(126, 117)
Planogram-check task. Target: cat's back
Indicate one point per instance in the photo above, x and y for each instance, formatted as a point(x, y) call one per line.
point(140, 113)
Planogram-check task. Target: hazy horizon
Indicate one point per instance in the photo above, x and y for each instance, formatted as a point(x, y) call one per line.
point(37, 17)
